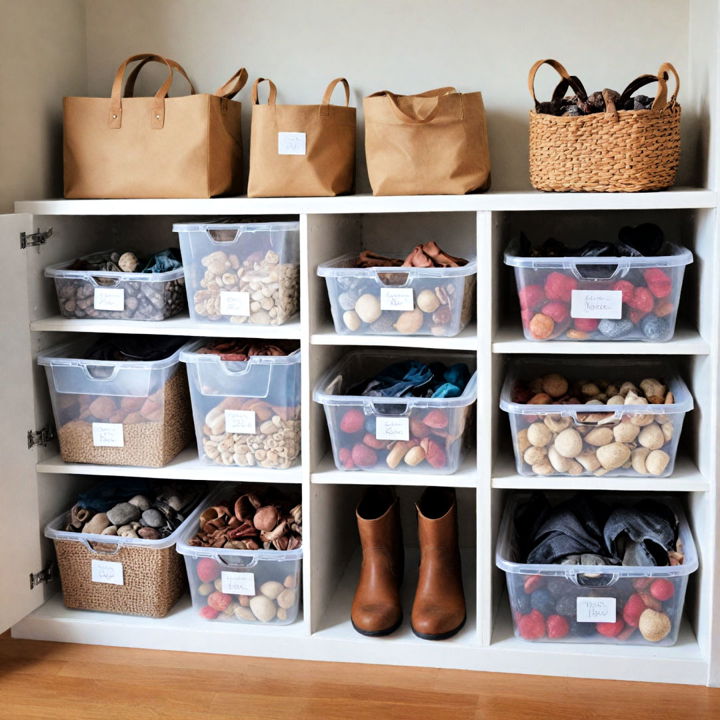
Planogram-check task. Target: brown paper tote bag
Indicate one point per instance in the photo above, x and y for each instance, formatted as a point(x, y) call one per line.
point(301, 150)
point(432, 143)
point(153, 147)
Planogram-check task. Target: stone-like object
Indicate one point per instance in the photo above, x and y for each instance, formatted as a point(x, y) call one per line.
point(263, 608)
point(153, 518)
point(123, 513)
point(96, 524)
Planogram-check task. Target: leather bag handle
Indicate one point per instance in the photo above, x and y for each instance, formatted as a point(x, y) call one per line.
point(272, 96)
point(566, 81)
point(661, 101)
point(233, 86)
point(157, 117)
point(325, 103)
point(133, 76)
point(436, 93)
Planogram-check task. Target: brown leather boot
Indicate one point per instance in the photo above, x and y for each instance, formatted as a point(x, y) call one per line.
point(439, 607)
point(376, 608)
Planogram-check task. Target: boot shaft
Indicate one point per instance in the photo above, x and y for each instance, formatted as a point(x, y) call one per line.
point(378, 520)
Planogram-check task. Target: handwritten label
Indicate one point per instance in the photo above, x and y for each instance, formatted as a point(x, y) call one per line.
point(397, 299)
point(108, 435)
point(596, 609)
point(109, 299)
point(110, 573)
point(241, 422)
point(234, 303)
point(238, 583)
point(392, 428)
point(291, 143)
point(596, 304)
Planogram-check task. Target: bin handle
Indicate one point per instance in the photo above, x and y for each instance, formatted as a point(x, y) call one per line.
point(372, 408)
point(573, 577)
point(92, 377)
point(111, 282)
point(383, 271)
point(92, 549)
point(253, 561)
point(621, 270)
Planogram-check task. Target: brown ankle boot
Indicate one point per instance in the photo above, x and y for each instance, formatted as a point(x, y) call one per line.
point(376, 608)
point(439, 608)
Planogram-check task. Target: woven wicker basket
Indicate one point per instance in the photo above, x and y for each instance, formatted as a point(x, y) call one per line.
point(614, 151)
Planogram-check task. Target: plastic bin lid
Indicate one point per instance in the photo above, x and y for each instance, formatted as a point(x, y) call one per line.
point(504, 548)
point(246, 227)
point(342, 267)
point(189, 354)
point(59, 270)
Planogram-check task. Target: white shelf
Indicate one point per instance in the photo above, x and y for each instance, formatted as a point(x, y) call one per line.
point(180, 325)
point(686, 342)
point(686, 478)
point(186, 466)
point(328, 474)
point(680, 197)
point(466, 340)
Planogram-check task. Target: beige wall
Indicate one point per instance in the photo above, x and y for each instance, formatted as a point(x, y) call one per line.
point(402, 45)
point(42, 58)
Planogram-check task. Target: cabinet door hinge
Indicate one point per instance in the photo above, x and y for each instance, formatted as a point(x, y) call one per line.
point(34, 239)
point(40, 437)
point(47, 575)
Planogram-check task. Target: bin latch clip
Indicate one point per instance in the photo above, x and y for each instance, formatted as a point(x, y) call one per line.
point(40, 437)
point(47, 575)
point(35, 239)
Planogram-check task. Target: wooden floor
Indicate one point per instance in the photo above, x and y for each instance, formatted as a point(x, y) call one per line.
point(43, 680)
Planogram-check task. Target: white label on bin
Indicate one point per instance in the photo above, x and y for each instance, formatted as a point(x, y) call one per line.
point(291, 143)
point(109, 299)
point(397, 299)
point(234, 303)
point(238, 583)
point(596, 609)
point(596, 304)
point(392, 428)
point(241, 422)
point(110, 573)
point(108, 435)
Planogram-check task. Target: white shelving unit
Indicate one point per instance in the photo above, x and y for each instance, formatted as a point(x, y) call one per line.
point(37, 485)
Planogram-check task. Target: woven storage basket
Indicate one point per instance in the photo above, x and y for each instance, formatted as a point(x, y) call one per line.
point(612, 151)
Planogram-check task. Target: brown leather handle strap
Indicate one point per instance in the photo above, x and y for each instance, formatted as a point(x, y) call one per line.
point(634, 86)
point(325, 103)
point(661, 100)
point(233, 86)
point(157, 118)
point(533, 71)
point(272, 96)
point(133, 76)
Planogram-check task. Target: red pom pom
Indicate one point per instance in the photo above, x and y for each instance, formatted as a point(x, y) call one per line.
point(209, 613)
point(532, 583)
point(634, 608)
point(371, 441)
point(556, 310)
point(532, 625)
point(626, 288)
point(559, 286)
point(363, 456)
point(207, 570)
point(642, 300)
point(531, 296)
point(219, 601)
point(557, 627)
point(586, 324)
point(352, 421)
point(662, 589)
point(610, 629)
point(659, 282)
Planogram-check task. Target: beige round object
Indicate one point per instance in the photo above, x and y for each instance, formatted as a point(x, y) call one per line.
point(205, 589)
point(651, 437)
point(543, 468)
point(590, 389)
point(409, 322)
point(656, 462)
point(263, 608)
point(351, 320)
point(555, 385)
point(667, 431)
point(427, 301)
point(613, 456)
point(368, 308)
point(414, 456)
point(534, 455)
point(589, 461)
point(569, 443)
point(218, 584)
point(522, 441)
point(616, 400)
point(558, 462)
point(244, 613)
point(539, 434)
point(637, 460)
point(626, 388)
point(652, 388)
point(600, 436)
point(632, 398)
point(625, 432)
point(574, 468)
point(557, 423)
point(654, 626)
point(128, 262)
point(286, 599)
point(290, 581)
point(641, 420)
point(271, 589)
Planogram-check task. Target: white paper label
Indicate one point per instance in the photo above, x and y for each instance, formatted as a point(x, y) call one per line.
point(110, 573)
point(291, 143)
point(392, 428)
point(596, 609)
point(234, 303)
point(238, 583)
point(109, 299)
point(241, 422)
point(596, 304)
point(108, 435)
point(397, 299)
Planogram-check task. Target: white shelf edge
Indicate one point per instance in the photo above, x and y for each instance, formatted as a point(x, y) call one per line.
point(686, 342)
point(181, 325)
point(467, 339)
point(328, 474)
point(186, 466)
point(677, 198)
point(685, 478)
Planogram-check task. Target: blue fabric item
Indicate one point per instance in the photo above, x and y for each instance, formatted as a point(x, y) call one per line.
point(413, 378)
point(163, 261)
point(111, 492)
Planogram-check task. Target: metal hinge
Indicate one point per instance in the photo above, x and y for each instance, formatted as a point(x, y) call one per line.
point(40, 437)
point(34, 239)
point(44, 576)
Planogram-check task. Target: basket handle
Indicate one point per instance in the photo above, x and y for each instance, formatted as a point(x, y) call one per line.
point(133, 76)
point(567, 81)
point(661, 101)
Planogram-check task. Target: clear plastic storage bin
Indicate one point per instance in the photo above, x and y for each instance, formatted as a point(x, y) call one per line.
point(241, 272)
point(245, 413)
point(591, 603)
point(431, 432)
point(117, 295)
point(580, 439)
point(129, 576)
point(399, 300)
point(117, 412)
point(600, 298)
